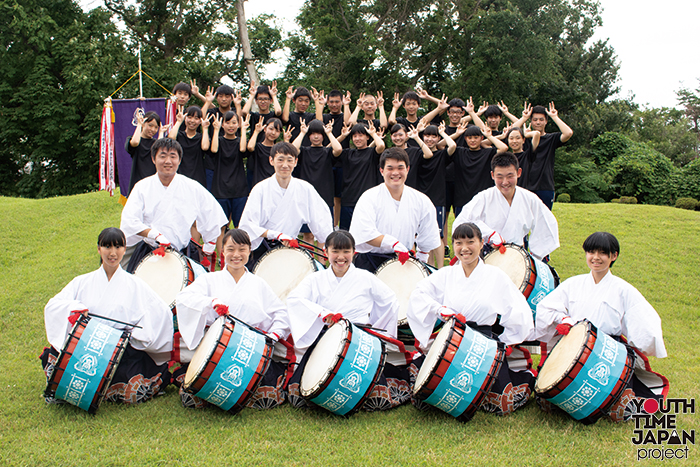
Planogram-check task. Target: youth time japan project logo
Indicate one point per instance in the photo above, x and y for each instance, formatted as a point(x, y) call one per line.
point(656, 433)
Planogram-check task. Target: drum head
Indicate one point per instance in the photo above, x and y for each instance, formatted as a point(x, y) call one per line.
point(402, 280)
point(433, 358)
point(562, 358)
point(166, 275)
point(284, 268)
point(323, 358)
point(204, 350)
point(515, 262)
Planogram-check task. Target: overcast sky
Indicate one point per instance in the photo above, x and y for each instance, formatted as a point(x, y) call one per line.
point(656, 43)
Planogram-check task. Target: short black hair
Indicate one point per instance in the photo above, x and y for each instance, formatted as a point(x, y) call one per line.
point(396, 154)
point(283, 147)
point(167, 144)
point(539, 109)
point(238, 236)
point(410, 95)
point(397, 127)
point(466, 230)
point(182, 87)
point(359, 128)
point(492, 110)
point(301, 92)
point(456, 102)
point(315, 126)
point(276, 122)
point(151, 116)
point(194, 111)
point(229, 115)
point(340, 240)
point(504, 159)
point(512, 129)
point(224, 89)
point(111, 236)
point(473, 130)
point(431, 130)
point(262, 89)
point(602, 241)
point(335, 93)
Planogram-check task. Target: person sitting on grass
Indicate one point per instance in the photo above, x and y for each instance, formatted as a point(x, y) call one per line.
point(615, 307)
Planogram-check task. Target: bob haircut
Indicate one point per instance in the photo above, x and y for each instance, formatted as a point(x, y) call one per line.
point(151, 116)
point(283, 147)
point(238, 236)
point(359, 128)
point(182, 87)
point(231, 114)
point(224, 89)
point(515, 128)
point(111, 236)
point(492, 110)
point(316, 127)
point(301, 92)
point(431, 130)
point(539, 109)
point(457, 102)
point(473, 130)
point(275, 122)
point(166, 144)
point(263, 89)
point(193, 111)
point(603, 242)
point(410, 96)
point(466, 230)
point(398, 127)
point(340, 240)
point(395, 153)
point(505, 159)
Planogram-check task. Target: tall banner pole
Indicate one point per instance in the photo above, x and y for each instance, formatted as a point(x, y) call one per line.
point(140, 75)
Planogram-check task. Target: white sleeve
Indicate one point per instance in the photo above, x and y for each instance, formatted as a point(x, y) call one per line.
point(424, 308)
point(385, 309)
point(304, 314)
point(251, 219)
point(641, 325)
point(544, 236)
point(276, 310)
point(516, 314)
point(210, 215)
point(473, 212)
point(132, 214)
point(57, 311)
point(156, 334)
point(320, 222)
point(428, 235)
point(363, 226)
point(195, 311)
point(550, 311)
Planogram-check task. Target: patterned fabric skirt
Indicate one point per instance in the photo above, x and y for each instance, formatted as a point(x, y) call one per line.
point(137, 378)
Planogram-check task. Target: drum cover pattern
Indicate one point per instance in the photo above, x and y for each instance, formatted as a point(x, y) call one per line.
point(236, 368)
point(88, 364)
point(544, 284)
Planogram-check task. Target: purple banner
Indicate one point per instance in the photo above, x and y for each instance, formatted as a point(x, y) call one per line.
point(124, 125)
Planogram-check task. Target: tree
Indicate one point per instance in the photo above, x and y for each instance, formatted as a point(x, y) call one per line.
point(667, 130)
point(691, 101)
point(57, 64)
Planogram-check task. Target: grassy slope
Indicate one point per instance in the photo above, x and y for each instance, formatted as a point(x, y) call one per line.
point(48, 242)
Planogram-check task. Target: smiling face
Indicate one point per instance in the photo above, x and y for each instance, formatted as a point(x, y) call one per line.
point(493, 121)
point(166, 161)
point(394, 173)
point(411, 106)
point(182, 97)
point(431, 141)
point(506, 179)
point(360, 140)
point(283, 164)
point(316, 139)
point(192, 122)
point(111, 256)
point(467, 250)
point(335, 104)
point(515, 141)
point(369, 105)
point(230, 127)
point(271, 133)
point(224, 100)
point(340, 260)
point(236, 255)
point(399, 138)
point(474, 142)
point(599, 262)
point(263, 101)
point(455, 114)
point(150, 129)
point(539, 121)
point(302, 103)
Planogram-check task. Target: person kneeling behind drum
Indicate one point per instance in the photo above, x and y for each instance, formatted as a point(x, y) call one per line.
point(345, 291)
point(235, 291)
point(120, 300)
point(614, 307)
point(479, 293)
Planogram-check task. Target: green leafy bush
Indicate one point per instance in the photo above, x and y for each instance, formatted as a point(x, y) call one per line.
point(564, 198)
point(687, 203)
point(628, 200)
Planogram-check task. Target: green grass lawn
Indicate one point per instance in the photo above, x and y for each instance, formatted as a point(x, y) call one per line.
point(48, 242)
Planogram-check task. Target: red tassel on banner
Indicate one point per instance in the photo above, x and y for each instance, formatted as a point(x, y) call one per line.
point(170, 112)
point(107, 149)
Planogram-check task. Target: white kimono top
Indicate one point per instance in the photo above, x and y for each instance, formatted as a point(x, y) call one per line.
point(125, 298)
point(412, 219)
point(171, 210)
point(271, 207)
point(490, 211)
point(359, 296)
point(486, 293)
point(251, 300)
point(613, 306)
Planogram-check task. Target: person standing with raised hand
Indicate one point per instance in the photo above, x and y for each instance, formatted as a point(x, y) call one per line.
point(302, 100)
point(192, 142)
point(369, 104)
point(138, 146)
point(264, 96)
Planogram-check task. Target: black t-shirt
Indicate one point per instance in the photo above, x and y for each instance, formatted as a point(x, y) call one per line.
point(431, 177)
point(295, 121)
point(360, 173)
point(415, 157)
point(472, 173)
point(524, 161)
point(141, 162)
point(450, 172)
point(338, 122)
point(192, 164)
point(262, 168)
point(375, 122)
point(214, 111)
point(316, 167)
point(255, 117)
point(229, 172)
point(542, 167)
point(408, 124)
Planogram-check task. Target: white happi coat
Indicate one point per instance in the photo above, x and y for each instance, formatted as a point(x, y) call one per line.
point(613, 306)
point(125, 298)
point(359, 296)
point(171, 210)
point(376, 214)
point(251, 300)
point(271, 207)
point(486, 293)
point(490, 211)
